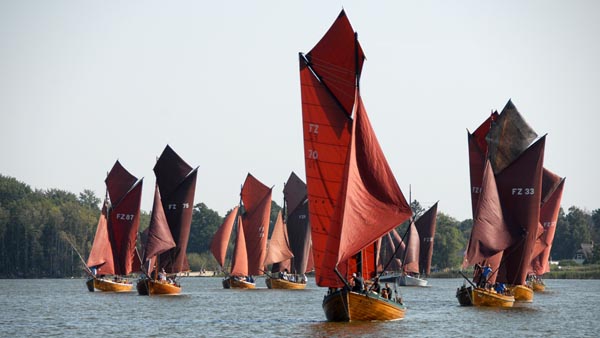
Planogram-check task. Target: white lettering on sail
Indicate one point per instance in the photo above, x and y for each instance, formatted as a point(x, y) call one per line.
point(428, 239)
point(476, 190)
point(313, 154)
point(301, 216)
point(313, 128)
point(186, 205)
point(523, 191)
point(172, 206)
point(125, 217)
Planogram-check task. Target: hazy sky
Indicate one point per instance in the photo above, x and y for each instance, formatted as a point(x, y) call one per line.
point(84, 83)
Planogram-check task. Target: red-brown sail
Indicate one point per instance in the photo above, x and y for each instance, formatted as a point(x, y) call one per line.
point(477, 152)
point(177, 183)
point(410, 263)
point(519, 187)
point(548, 218)
point(159, 238)
point(426, 225)
point(490, 234)
point(326, 130)
point(101, 255)
point(278, 249)
point(508, 137)
point(239, 262)
point(114, 245)
point(371, 202)
point(298, 227)
point(257, 211)
point(218, 245)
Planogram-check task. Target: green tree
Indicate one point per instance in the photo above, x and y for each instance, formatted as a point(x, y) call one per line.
point(205, 223)
point(449, 243)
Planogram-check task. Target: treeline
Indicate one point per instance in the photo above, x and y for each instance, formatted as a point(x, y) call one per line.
point(36, 227)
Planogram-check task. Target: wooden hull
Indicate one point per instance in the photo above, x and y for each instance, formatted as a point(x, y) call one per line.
point(232, 283)
point(345, 306)
point(485, 297)
point(538, 286)
point(522, 293)
point(465, 295)
point(156, 287)
point(107, 285)
point(406, 280)
point(278, 283)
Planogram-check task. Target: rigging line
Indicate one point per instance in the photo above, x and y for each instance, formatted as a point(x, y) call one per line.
point(87, 269)
point(395, 252)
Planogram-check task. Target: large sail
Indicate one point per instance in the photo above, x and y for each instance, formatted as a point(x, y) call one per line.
point(114, 244)
point(548, 218)
point(218, 245)
point(298, 227)
point(257, 211)
point(477, 153)
point(490, 234)
point(159, 238)
point(101, 255)
point(177, 183)
point(519, 189)
point(410, 263)
point(508, 137)
point(278, 249)
point(426, 225)
point(239, 262)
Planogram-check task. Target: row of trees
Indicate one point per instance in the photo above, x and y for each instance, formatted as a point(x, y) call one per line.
point(37, 225)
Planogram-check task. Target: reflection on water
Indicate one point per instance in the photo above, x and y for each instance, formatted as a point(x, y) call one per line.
point(66, 308)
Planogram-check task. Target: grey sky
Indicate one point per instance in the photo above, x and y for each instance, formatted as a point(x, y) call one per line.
point(83, 83)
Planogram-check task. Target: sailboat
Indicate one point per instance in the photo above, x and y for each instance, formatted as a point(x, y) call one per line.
point(113, 251)
point(170, 222)
point(290, 240)
point(418, 260)
point(517, 167)
point(353, 196)
point(252, 226)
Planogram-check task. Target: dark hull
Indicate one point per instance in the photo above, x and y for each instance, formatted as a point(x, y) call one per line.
point(142, 287)
point(90, 284)
point(464, 295)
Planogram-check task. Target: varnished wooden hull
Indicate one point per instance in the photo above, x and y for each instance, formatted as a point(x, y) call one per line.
point(232, 283)
point(344, 306)
point(156, 287)
point(522, 293)
point(278, 283)
point(538, 286)
point(465, 295)
point(486, 297)
point(107, 285)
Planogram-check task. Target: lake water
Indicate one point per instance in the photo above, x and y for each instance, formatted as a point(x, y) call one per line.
point(64, 307)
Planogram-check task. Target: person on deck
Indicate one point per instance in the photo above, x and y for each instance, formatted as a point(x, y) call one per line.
point(388, 290)
point(485, 274)
point(376, 287)
point(359, 284)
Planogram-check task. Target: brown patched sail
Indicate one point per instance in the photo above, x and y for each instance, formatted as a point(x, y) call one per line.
point(239, 262)
point(257, 211)
point(220, 241)
point(508, 137)
point(426, 225)
point(278, 249)
point(177, 183)
point(114, 244)
point(298, 227)
point(519, 188)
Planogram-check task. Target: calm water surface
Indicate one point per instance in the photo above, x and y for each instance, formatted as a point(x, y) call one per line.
point(64, 307)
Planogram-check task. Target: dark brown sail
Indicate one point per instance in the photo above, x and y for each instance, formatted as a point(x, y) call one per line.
point(426, 225)
point(508, 137)
point(159, 238)
point(177, 183)
point(519, 188)
point(298, 227)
